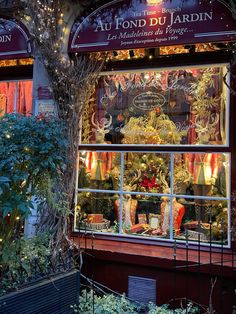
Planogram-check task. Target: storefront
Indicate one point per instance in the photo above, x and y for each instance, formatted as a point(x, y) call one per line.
point(155, 153)
point(157, 147)
point(16, 67)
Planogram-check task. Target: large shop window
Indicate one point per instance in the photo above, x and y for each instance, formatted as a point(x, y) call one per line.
point(165, 194)
point(16, 96)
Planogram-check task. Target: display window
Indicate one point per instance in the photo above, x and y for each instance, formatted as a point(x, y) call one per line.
point(155, 195)
point(16, 97)
point(160, 107)
point(176, 190)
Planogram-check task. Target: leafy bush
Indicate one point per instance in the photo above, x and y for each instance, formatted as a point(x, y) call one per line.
point(32, 157)
point(107, 304)
point(32, 154)
point(91, 303)
point(164, 309)
point(31, 150)
point(18, 261)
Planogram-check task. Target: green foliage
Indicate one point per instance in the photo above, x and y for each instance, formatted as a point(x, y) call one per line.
point(32, 157)
point(107, 304)
point(91, 303)
point(164, 309)
point(31, 151)
point(17, 261)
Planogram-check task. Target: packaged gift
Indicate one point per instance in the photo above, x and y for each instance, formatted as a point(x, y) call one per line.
point(95, 218)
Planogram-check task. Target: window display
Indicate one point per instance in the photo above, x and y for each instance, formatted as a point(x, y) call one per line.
point(159, 107)
point(165, 193)
point(156, 195)
point(16, 96)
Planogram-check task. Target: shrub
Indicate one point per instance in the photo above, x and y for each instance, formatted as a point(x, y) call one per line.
point(21, 260)
point(91, 303)
point(32, 154)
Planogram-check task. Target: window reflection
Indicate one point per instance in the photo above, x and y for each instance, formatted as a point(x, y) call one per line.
point(173, 106)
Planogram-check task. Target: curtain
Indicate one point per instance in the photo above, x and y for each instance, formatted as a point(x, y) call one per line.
point(16, 97)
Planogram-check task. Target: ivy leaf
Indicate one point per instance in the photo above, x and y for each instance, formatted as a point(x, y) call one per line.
point(4, 179)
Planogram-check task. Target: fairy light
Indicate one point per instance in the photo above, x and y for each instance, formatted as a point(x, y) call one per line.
point(8, 136)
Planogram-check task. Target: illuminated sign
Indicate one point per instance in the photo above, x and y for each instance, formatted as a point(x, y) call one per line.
point(130, 24)
point(14, 40)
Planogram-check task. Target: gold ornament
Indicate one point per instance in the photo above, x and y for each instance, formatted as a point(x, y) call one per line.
point(159, 161)
point(78, 208)
point(143, 166)
point(151, 162)
point(144, 157)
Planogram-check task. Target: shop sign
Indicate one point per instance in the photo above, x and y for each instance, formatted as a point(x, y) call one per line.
point(149, 101)
point(130, 24)
point(46, 107)
point(14, 40)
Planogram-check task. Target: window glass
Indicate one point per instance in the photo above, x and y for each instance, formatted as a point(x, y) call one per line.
point(96, 212)
point(147, 172)
point(160, 107)
point(151, 192)
point(99, 170)
point(201, 174)
point(201, 220)
point(173, 195)
point(16, 97)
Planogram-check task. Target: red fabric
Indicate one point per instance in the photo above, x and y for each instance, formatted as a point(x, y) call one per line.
point(92, 159)
point(18, 96)
point(209, 163)
point(178, 213)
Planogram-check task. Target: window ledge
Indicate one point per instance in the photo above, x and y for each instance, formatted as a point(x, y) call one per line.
point(160, 255)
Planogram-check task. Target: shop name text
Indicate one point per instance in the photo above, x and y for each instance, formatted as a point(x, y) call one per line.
point(122, 24)
point(5, 38)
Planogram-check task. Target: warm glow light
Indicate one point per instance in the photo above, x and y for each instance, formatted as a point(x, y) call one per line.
point(153, 2)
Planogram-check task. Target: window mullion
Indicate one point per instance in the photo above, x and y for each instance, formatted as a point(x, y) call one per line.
point(121, 190)
point(171, 194)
